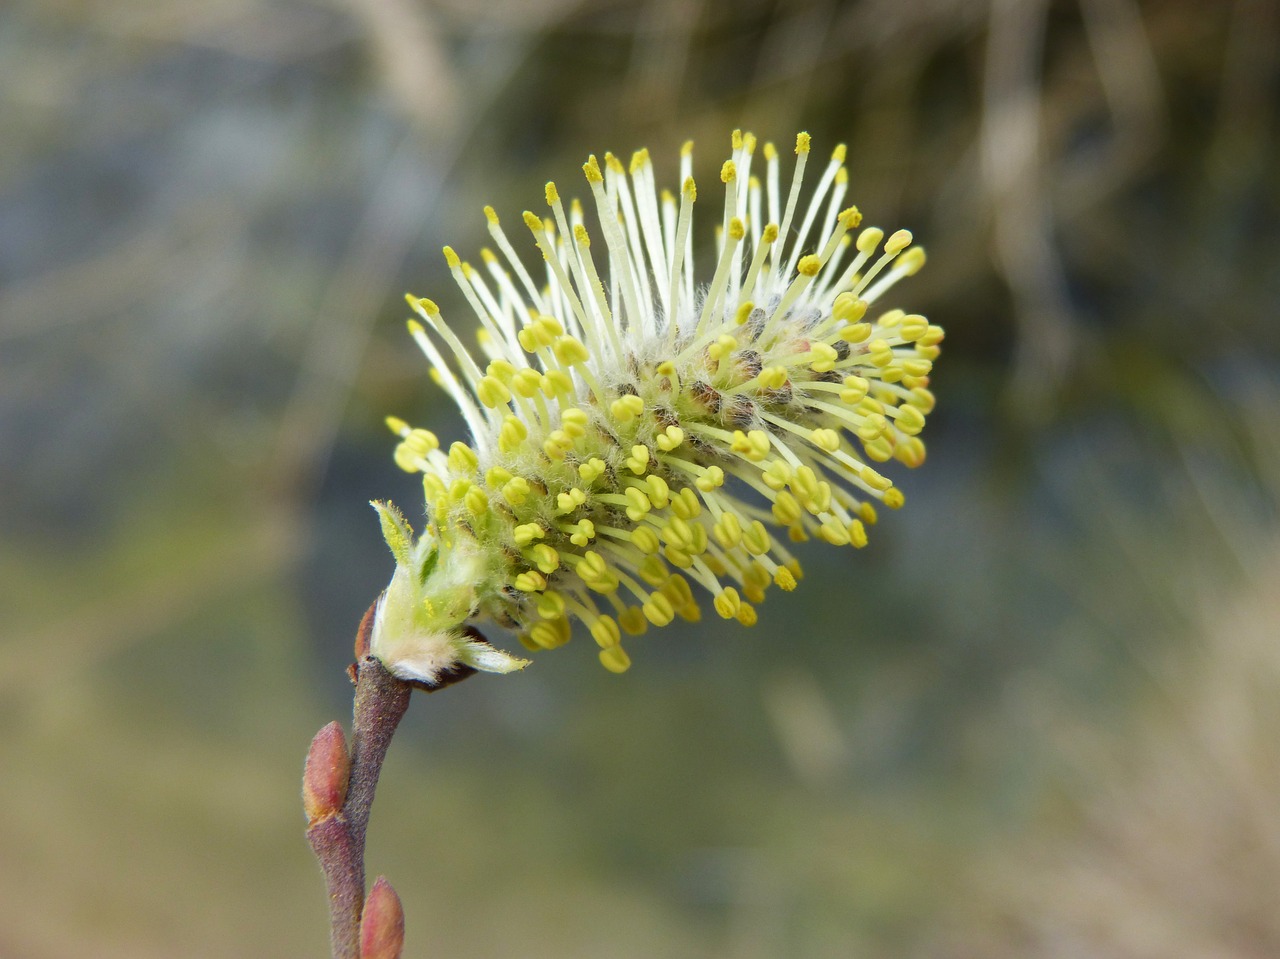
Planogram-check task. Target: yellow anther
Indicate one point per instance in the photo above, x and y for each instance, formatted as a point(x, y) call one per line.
point(626, 408)
point(786, 582)
point(677, 532)
point(527, 381)
point(533, 222)
point(570, 350)
point(591, 470)
point(512, 433)
point(676, 589)
point(492, 392)
point(550, 605)
point(851, 217)
point(894, 499)
point(488, 256)
point(685, 504)
point(848, 308)
point(911, 261)
point(743, 313)
point(773, 377)
point(501, 369)
point(724, 345)
point(451, 258)
point(770, 233)
point(855, 390)
point(570, 500)
point(879, 450)
point(747, 615)
point(582, 532)
point(433, 488)
point(833, 533)
point(669, 438)
point(825, 439)
point(638, 504)
point(645, 540)
point(869, 239)
point(545, 558)
point(786, 509)
point(547, 634)
point(922, 399)
point(917, 367)
point(659, 491)
point(913, 327)
point(633, 622)
point(556, 383)
point(407, 459)
point(397, 426)
point(476, 501)
point(658, 610)
point(898, 242)
point(802, 143)
point(712, 479)
point(530, 581)
point(574, 422)
point(653, 571)
point(727, 530)
point(756, 539)
point(557, 444)
point(592, 170)
point(666, 368)
point(735, 139)
point(809, 265)
point(728, 172)
point(491, 215)
point(613, 163)
point(727, 603)
point(776, 475)
point(638, 461)
point(689, 189)
point(677, 556)
point(754, 444)
point(824, 356)
point(496, 476)
point(462, 458)
point(805, 481)
point(857, 534)
point(615, 659)
point(909, 420)
point(736, 229)
point(525, 533)
point(605, 632)
point(422, 441)
point(552, 194)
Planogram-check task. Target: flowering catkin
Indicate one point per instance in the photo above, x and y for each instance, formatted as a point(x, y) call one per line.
point(640, 432)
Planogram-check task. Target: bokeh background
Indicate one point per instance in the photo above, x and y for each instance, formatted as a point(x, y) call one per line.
point(1040, 716)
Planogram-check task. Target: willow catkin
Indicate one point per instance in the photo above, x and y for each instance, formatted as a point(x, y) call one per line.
point(641, 431)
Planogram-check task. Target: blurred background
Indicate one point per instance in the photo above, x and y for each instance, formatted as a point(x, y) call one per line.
point(1040, 716)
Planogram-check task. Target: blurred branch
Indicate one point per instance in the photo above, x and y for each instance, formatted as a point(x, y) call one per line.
point(1012, 168)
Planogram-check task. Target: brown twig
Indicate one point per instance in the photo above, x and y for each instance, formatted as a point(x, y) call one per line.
point(338, 792)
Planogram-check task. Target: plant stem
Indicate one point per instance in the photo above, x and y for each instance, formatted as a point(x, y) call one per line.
point(338, 838)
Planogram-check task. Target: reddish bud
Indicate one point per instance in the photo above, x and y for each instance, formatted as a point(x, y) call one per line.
point(382, 925)
point(325, 776)
point(364, 632)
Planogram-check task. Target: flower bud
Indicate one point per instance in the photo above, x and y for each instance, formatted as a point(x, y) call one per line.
point(382, 924)
point(325, 776)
